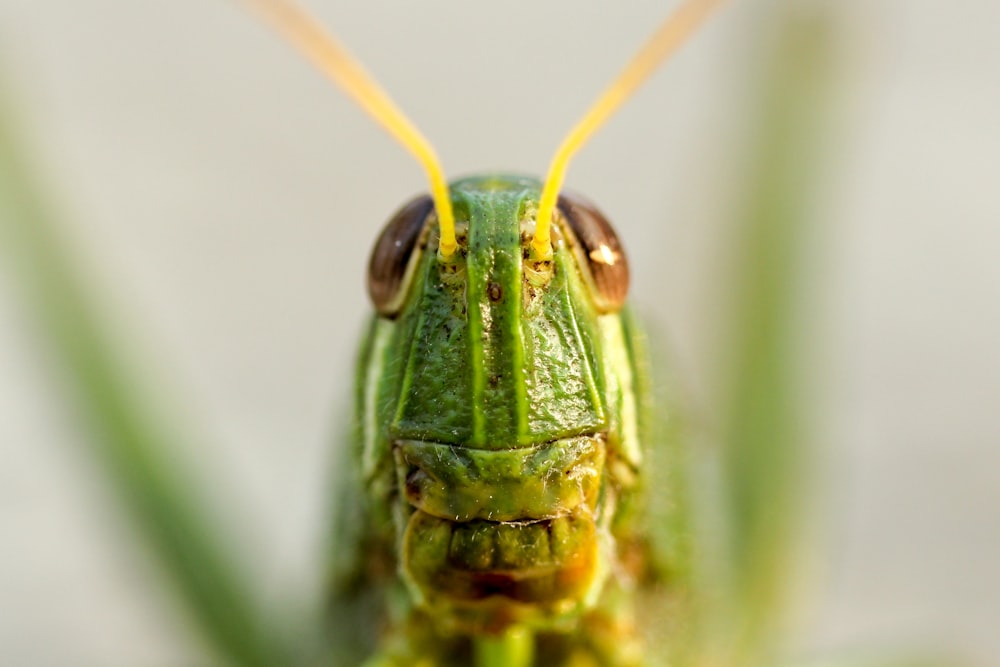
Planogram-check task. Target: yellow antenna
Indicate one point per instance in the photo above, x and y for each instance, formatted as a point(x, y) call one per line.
point(319, 46)
point(678, 27)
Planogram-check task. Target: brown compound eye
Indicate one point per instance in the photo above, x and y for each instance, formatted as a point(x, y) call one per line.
point(389, 269)
point(600, 253)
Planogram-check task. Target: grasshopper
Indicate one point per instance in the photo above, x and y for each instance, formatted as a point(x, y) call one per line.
point(496, 498)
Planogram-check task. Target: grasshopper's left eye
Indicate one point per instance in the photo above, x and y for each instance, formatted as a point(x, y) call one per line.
point(391, 265)
point(599, 252)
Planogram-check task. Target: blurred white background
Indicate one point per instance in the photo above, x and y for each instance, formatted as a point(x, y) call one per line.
point(226, 196)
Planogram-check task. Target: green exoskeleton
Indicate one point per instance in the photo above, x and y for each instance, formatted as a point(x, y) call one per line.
point(493, 514)
point(499, 442)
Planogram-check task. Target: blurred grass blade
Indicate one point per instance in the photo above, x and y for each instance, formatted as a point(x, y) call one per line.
point(763, 440)
point(896, 659)
point(130, 443)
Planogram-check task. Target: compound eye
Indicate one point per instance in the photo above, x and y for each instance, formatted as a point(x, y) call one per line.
point(599, 252)
point(391, 265)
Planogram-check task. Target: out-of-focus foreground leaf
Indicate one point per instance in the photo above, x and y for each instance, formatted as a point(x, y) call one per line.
point(127, 437)
point(764, 446)
point(766, 462)
point(882, 659)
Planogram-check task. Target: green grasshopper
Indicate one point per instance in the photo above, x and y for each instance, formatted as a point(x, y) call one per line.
point(509, 501)
point(495, 502)
point(499, 445)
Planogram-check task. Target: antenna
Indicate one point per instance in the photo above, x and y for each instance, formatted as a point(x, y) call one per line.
point(319, 46)
point(675, 30)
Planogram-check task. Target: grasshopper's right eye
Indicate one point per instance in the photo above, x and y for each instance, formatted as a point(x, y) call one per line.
point(599, 252)
point(393, 258)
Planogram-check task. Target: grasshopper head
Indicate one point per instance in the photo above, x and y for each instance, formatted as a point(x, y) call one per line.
point(498, 421)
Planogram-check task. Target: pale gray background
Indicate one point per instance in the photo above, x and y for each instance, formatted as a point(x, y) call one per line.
point(227, 197)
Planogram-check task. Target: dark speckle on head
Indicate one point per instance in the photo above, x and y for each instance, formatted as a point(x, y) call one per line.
point(494, 292)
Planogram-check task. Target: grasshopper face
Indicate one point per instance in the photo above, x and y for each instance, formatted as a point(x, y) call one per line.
point(498, 408)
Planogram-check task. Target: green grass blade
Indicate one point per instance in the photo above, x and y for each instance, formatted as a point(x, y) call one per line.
point(129, 441)
point(764, 442)
point(885, 659)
